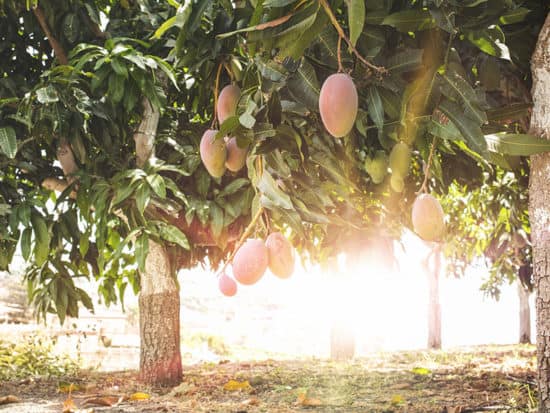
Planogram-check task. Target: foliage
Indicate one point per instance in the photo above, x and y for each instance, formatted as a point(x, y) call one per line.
point(33, 357)
point(439, 59)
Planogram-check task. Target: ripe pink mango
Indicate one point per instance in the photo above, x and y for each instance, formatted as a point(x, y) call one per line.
point(280, 255)
point(227, 285)
point(428, 218)
point(227, 102)
point(250, 262)
point(338, 103)
point(213, 153)
point(236, 156)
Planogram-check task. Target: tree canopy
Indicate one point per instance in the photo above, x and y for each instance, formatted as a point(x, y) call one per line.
point(80, 81)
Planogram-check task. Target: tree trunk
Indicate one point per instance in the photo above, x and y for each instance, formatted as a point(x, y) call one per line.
point(539, 209)
point(524, 314)
point(159, 320)
point(434, 308)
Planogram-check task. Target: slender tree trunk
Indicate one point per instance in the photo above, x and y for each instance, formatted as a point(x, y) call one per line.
point(434, 307)
point(159, 320)
point(539, 209)
point(524, 314)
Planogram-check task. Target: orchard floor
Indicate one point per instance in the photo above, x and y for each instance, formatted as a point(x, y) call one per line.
point(474, 379)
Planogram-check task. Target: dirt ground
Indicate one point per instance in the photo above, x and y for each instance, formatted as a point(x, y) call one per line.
point(478, 379)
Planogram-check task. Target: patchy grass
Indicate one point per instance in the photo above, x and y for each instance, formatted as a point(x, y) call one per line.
point(488, 378)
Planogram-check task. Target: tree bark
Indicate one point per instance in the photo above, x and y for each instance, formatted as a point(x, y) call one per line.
point(159, 320)
point(524, 314)
point(539, 209)
point(434, 307)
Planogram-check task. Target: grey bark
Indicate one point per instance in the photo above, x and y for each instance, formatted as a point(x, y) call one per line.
point(159, 320)
point(539, 209)
point(524, 314)
point(434, 306)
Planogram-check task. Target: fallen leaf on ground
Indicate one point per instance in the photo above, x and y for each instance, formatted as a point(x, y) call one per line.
point(140, 396)
point(397, 400)
point(303, 400)
point(251, 402)
point(9, 399)
point(182, 390)
point(69, 406)
point(104, 400)
point(234, 385)
point(67, 387)
point(455, 409)
point(421, 371)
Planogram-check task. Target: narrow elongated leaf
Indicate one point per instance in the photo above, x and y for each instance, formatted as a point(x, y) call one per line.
point(26, 243)
point(490, 41)
point(157, 185)
point(216, 215)
point(410, 59)
point(511, 112)
point(278, 3)
point(271, 191)
point(142, 249)
point(514, 16)
point(47, 94)
point(356, 19)
point(470, 130)
point(41, 239)
point(462, 90)
point(171, 233)
point(8, 141)
point(517, 144)
point(410, 20)
point(376, 110)
point(303, 85)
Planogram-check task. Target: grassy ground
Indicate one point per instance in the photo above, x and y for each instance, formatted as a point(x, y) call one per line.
point(479, 379)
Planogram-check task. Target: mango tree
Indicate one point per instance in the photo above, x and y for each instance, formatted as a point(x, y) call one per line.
point(104, 106)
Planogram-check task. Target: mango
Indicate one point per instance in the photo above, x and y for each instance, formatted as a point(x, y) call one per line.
point(227, 285)
point(250, 262)
point(227, 102)
point(397, 183)
point(377, 166)
point(400, 159)
point(338, 103)
point(213, 153)
point(428, 218)
point(280, 255)
point(236, 156)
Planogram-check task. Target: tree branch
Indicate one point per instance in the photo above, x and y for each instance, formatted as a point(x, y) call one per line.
point(145, 135)
point(56, 46)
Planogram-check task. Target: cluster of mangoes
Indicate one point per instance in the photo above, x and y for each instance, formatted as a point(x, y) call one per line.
point(338, 105)
point(217, 155)
point(254, 257)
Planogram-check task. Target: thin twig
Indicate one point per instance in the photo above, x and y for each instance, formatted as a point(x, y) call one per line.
point(342, 35)
point(241, 241)
point(228, 70)
point(216, 87)
point(56, 46)
point(424, 186)
point(339, 55)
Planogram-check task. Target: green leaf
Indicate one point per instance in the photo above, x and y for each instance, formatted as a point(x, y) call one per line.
point(8, 141)
point(142, 250)
point(410, 20)
point(247, 120)
point(119, 67)
point(303, 85)
point(216, 215)
point(273, 193)
point(228, 126)
point(172, 234)
point(26, 243)
point(356, 19)
point(157, 184)
point(278, 3)
point(42, 239)
point(463, 91)
point(47, 94)
point(233, 187)
point(512, 112)
point(517, 144)
point(490, 41)
point(376, 110)
point(407, 60)
point(514, 16)
point(143, 195)
point(470, 130)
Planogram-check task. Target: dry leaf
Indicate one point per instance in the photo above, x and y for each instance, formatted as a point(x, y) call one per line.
point(67, 387)
point(140, 396)
point(234, 385)
point(104, 400)
point(303, 400)
point(69, 406)
point(251, 402)
point(397, 400)
point(455, 409)
point(9, 399)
